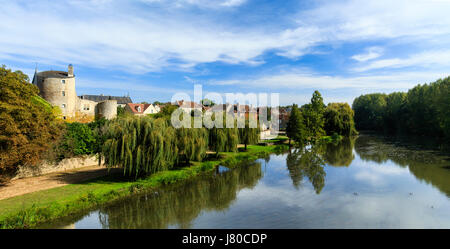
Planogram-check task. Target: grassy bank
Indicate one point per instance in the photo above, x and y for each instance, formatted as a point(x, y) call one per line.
point(31, 209)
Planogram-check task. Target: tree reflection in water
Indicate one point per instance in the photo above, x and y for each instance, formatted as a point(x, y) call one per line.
point(421, 157)
point(339, 154)
point(182, 203)
point(310, 161)
point(306, 162)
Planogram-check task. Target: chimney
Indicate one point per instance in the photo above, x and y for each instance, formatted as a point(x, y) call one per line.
point(70, 71)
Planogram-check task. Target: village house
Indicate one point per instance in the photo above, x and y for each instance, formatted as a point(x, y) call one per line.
point(141, 109)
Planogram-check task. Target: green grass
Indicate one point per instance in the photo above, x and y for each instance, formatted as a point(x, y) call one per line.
point(30, 210)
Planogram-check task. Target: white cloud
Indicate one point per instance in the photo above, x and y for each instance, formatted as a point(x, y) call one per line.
point(371, 53)
point(121, 35)
point(428, 59)
point(198, 3)
point(300, 80)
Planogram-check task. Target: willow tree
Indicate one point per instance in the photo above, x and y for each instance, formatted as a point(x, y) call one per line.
point(339, 119)
point(249, 135)
point(192, 143)
point(140, 145)
point(224, 139)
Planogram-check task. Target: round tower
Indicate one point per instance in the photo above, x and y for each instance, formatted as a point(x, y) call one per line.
point(58, 88)
point(107, 109)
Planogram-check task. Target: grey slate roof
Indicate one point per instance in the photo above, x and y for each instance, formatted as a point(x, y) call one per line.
point(55, 74)
point(98, 98)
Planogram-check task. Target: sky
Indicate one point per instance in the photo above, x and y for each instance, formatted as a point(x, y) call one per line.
point(152, 49)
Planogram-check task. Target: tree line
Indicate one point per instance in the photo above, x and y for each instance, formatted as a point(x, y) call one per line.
point(312, 121)
point(423, 110)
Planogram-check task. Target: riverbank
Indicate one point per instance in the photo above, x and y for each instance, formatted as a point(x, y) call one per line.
point(29, 210)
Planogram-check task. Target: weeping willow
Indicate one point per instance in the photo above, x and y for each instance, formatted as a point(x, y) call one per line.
point(140, 145)
point(249, 135)
point(224, 139)
point(192, 143)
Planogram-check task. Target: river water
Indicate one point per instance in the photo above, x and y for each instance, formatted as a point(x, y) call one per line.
point(368, 182)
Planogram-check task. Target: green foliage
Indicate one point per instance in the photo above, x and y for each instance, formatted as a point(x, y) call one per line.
point(369, 111)
point(78, 139)
point(120, 111)
point(295, 129)
point(339, 120)
point(249, 135)
point(313, 117)
point(28, 125)
point(166, 111)
point(224, 139)
point(423, 110)
point(302, 162)
point(192, 143)
point(207, 102)
point(140, 145)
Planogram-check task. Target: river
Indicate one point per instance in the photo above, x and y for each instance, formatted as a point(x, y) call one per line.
point(367, 182)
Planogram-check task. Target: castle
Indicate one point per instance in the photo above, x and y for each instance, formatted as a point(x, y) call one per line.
point(58, 88)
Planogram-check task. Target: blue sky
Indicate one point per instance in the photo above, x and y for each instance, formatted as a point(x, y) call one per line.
point(152, 49)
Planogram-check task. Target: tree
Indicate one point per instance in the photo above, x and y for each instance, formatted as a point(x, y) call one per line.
point(166, 111)
point(78, 139)
point(369, 111)
point(207, 102)
point(28, 124)
point(249, 135)
point(295, 129)
point(423, 110)
point(313, 116)
point(339, 119)
point(140, 145)
point(224, 139)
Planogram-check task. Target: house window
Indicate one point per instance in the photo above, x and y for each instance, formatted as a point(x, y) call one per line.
point(63, 81)
point(86, 107)
point(64, 117)
point(63, 93)
point(63, 105)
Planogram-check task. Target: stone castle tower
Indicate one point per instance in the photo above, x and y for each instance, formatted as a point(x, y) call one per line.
point(58, 88)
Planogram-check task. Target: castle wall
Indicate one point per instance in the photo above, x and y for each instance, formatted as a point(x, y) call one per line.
point(86, 107)
point(58, 88)
point(107, 109)
point(59, 94)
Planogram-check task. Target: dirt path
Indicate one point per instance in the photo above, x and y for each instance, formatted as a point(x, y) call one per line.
point(53, 180)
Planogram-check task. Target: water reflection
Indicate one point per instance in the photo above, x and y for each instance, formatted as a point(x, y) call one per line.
point(421, 158)
point(339, 154)
point(310, 161)
point(182, 203)
point(306, 162)
point(370, 182)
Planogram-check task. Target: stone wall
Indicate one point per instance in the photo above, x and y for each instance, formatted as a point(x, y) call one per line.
point(64, 165)
point(107, 109)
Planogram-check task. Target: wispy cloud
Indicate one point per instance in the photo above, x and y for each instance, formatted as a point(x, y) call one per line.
point(120, 34)
point(428, 59)
point(371, 53)
point(299, 80)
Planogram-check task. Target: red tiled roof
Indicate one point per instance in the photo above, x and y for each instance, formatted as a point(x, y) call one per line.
point(135, 107)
